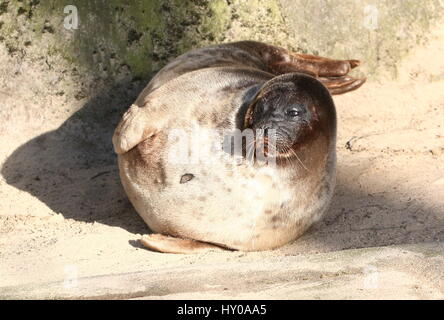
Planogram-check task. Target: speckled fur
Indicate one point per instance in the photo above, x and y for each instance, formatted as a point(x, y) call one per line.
point(245, 207)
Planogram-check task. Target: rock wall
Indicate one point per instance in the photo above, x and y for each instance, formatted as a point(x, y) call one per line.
point(117, 39)
point(379, 32)
point(120, 36)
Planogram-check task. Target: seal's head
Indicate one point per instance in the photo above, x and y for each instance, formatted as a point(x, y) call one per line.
point(296, 108)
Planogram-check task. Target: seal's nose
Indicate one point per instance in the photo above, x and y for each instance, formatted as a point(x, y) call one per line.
point(269, 127)
point(269, 133)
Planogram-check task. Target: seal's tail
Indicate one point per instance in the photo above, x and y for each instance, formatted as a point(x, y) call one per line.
point(167, 244)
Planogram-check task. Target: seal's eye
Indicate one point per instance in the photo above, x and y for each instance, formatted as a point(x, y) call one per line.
point(293, 112)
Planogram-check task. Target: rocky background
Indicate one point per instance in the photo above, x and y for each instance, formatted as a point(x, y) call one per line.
point(70, 68)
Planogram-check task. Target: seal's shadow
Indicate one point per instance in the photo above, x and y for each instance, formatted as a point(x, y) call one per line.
point(73, 169)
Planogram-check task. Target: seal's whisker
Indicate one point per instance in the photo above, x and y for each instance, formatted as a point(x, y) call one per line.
point(299, 159)
point(287, 159)
point(288, 154)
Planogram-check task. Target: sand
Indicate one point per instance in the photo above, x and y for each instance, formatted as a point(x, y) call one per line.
point(64, 215)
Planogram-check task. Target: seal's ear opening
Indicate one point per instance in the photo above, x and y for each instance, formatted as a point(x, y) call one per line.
point(131, 130)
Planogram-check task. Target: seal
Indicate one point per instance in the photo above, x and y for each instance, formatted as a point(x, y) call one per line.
point(282, 99)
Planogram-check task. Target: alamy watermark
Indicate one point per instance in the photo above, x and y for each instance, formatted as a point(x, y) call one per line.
point(71, 277)
point(371, 15)
point(206, 146)
point(371, 277)
point(71, 21)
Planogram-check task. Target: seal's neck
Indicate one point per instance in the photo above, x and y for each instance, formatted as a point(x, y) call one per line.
point(248, 98)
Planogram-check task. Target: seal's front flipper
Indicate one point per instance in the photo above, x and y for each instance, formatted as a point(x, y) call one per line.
point(167, 244)
point(134, 128)
point(339, 85)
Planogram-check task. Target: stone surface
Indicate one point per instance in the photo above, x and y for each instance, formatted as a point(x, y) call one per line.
point(381, 32)
point(401, 272)
point(64, 214)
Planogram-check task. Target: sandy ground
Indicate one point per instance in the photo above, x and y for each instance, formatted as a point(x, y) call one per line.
point(64, 214)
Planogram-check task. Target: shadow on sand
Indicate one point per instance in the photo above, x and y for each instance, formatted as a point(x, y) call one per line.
point(74, 171)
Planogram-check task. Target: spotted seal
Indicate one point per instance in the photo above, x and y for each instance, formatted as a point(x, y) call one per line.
point(219, 203)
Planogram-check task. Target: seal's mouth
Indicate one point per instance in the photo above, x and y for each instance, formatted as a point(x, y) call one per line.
point(282, 153)
point(279, 150)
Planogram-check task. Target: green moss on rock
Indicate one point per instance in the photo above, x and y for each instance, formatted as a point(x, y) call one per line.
point(120, 36)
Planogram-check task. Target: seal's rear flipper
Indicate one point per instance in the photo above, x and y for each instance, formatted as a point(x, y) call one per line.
point(279, 60)
point(167, 244)
point(339, 85)
point(331, 72)
point(317, 68)
point(323, 67)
